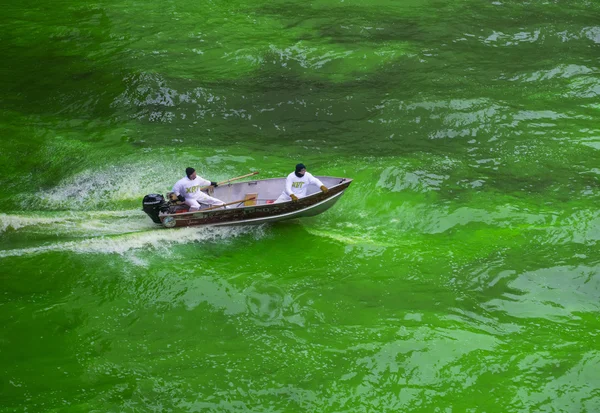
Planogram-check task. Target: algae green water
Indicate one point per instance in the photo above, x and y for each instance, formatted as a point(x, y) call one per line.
point(459, 273)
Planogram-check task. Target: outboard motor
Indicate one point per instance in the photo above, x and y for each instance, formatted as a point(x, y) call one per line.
point(153, 204)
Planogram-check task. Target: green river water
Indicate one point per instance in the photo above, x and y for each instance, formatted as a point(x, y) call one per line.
point(459, 273)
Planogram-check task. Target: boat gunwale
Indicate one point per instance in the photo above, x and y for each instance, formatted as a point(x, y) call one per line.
point(286, 215)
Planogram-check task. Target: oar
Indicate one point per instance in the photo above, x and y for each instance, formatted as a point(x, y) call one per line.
point(214, 207)
point(230, 180)
point(239, 177)
point(222, 205)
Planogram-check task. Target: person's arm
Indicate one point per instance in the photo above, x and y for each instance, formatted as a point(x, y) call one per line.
point(179, 191)
point(204, 182)
point(288, 189)
point(317, 182)
point(288, 186)
point(176, 188)
point(313, 180)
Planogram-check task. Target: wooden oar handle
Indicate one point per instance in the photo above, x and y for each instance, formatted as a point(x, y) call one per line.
point(214, 207)
point(230, 180)
point(229, 203)
point(239, 177)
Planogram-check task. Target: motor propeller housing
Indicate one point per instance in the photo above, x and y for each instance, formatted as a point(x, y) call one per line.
point(153, 205)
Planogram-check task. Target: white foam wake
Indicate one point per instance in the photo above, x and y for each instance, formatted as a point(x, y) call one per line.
point(105, 187)
point(77, 222)
point(159, 239)
point(16, 222)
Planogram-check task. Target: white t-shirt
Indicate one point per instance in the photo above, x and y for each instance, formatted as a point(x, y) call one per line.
point(299, 186)
point(189, 188)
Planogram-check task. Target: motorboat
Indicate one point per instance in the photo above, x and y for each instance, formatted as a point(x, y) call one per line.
point(249, 202)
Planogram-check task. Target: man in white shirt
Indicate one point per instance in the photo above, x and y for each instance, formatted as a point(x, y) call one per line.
point(296, 184)
point(189, 187)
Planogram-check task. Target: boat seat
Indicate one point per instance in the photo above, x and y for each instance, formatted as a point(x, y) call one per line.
point(250, 199)
point(179, 209)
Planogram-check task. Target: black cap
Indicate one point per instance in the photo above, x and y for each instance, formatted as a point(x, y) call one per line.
point(189, 171)
point(300, 167)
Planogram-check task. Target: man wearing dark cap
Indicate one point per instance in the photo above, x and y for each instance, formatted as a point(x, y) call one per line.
point(297, 183)
point(190, 187)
